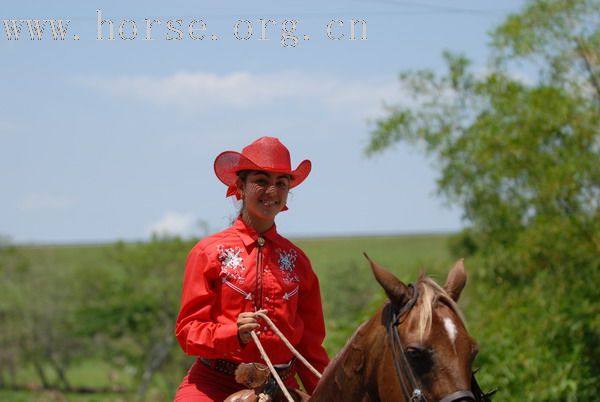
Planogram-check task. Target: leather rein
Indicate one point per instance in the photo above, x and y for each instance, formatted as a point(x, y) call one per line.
point(406, 377)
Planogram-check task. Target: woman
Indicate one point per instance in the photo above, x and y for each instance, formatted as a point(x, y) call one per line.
point(247, 268)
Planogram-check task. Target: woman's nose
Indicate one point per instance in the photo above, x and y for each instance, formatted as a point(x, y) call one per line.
point(272, 189)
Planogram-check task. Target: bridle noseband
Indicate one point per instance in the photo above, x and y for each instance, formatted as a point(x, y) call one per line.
point(408, 381)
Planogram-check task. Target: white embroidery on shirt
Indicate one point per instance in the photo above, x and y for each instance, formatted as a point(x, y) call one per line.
point(294, 292)
point(232, 264)
point(287, 265)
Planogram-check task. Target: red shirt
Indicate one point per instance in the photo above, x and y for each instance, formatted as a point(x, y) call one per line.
point(229, 273)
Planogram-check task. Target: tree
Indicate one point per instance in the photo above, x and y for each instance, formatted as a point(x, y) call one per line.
point(131, 304)
point(522, 159)
point(37, 325)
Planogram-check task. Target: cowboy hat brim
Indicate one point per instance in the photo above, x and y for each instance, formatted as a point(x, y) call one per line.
point(229, 163)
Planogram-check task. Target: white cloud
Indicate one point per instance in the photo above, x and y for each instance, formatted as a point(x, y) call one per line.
point(36, 202)
point(173, 223)
point(244, 90)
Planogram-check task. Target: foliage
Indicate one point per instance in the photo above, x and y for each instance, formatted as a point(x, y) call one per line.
point(522, 159)
point(130, 307)
point(561, 38)
point(38, 319)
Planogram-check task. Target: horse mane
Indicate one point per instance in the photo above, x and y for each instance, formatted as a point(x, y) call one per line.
point(431, 294)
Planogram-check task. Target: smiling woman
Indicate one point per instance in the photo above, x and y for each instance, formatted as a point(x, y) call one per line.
point(265, 195)
point(245, 269)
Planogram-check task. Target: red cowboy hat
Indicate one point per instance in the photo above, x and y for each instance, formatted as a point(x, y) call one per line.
point(266, 154)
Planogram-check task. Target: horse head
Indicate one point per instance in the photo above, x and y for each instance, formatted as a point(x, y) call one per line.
point(428, 351)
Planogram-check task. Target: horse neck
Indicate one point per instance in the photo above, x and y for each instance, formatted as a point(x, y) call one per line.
point(349, 376)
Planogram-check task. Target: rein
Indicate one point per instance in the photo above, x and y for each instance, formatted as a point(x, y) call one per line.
point(287, 343)
point(404, 373)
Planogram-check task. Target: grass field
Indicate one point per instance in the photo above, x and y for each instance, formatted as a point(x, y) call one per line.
point(349, 292)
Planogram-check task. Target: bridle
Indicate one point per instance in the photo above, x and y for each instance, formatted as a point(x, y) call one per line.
point(408, 381)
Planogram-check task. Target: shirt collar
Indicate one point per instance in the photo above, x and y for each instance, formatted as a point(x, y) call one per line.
point(249, 236)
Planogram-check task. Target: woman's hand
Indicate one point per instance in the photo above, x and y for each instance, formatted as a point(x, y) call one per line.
point(246, 323)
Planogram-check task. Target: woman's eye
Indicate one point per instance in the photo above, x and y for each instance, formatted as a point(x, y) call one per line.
point(282, 184)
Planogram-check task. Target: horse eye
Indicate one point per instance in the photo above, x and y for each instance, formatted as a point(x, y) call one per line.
point(420, 359)
point(415, 353)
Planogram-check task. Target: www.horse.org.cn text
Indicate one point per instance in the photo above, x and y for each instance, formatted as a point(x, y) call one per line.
point(286, 31)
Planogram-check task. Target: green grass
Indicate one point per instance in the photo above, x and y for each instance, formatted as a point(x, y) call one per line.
point(349, 291)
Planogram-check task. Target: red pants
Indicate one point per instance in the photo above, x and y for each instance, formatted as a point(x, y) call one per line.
point(203, 384)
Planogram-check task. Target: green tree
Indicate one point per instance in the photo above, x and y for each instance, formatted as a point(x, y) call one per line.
point(130, 305)
point(522, 159)
point(37, 319)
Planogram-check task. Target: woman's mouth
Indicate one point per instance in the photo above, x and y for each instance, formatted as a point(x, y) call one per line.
point(268, 203)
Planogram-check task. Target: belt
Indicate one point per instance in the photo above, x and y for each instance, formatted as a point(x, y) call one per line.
point(285, 371)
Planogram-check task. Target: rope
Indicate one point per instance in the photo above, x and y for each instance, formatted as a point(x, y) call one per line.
point(287, 343)
point(271, 368)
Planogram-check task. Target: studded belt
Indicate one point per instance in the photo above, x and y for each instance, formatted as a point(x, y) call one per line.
point(285, 371)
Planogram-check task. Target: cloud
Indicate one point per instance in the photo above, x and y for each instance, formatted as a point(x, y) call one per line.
point(37, 202)
point(244, 90)
point(174, 223)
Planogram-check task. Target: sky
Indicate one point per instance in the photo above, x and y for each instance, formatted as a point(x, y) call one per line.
point(104, 140)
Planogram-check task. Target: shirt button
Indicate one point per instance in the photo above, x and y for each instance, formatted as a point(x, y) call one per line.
point(265, 329)
point(267, 299)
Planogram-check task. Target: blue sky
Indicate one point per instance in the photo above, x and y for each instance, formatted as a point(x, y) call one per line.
point(103, 140)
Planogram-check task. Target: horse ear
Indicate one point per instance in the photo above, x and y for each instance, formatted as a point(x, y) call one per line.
point(394, 288)
point(456, 281)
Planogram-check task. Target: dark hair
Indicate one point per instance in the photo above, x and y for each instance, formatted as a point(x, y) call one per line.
point(243, 174)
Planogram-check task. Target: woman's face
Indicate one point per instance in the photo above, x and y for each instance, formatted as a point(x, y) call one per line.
point(264, 194)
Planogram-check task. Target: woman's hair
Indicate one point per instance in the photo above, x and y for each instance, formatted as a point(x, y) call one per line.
point(243, 174)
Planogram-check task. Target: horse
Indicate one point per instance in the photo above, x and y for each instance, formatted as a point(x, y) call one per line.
point(414, 349)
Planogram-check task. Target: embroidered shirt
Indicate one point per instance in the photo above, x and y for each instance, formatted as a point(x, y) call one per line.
point(238, 270)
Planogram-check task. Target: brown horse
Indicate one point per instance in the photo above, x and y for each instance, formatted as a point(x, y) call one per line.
point(414, 349)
